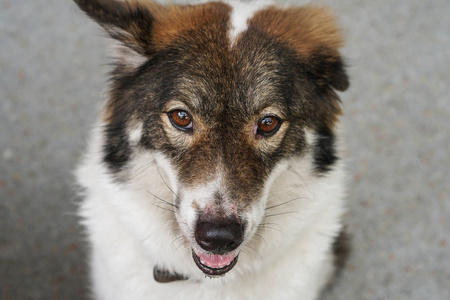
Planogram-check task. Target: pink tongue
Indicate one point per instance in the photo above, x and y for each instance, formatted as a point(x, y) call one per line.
point(216, 261)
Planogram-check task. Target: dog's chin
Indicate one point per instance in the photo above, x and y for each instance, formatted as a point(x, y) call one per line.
point(214, 264)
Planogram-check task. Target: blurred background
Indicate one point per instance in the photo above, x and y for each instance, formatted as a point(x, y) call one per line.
point(397, 118)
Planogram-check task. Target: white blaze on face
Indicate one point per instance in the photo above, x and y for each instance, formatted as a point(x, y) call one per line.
point(204, 193)
point(201, 198)
point(242, 12)
point(198, 198)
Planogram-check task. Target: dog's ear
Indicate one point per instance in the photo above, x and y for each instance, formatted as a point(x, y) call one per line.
point(329, 66)
point(129, 23)
point(312, 32)
point(320, 40)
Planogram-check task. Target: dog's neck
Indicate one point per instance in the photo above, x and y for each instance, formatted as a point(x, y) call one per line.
point(164, 276)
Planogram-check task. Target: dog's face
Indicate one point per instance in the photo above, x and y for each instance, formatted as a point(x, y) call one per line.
point(221, 114)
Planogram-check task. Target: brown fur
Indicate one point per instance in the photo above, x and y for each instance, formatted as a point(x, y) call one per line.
point(306, 28)
point(341, 251)
point(174, 21)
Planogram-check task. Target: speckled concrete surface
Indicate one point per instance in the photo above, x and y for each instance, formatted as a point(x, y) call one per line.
point(397, 126)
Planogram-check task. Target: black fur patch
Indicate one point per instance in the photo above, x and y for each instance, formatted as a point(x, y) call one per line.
point(324, 152)
point(331, 68)
point(129, 22)
point(341, 249)
point(116, 148)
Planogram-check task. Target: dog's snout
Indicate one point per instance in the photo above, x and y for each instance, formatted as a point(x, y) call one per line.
point(219, 238)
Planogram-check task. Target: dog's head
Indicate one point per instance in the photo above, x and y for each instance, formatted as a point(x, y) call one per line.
point(222, 107)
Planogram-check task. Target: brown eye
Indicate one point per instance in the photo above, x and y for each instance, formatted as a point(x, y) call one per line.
point(180, 119)
point(268, 125)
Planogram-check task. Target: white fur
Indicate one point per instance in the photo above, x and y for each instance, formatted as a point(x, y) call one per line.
point(310, 137)
point(130, 234)
point(242, 12)
point(135, 133)
point(124, 54)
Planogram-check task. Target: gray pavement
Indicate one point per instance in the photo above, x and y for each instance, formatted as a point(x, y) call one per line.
point(397, 111)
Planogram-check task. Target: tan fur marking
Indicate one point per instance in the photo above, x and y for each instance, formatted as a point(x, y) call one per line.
point(106, 114)
point(305, 28)
point(195, 206)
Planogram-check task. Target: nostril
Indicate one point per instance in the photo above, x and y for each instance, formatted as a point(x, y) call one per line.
point(231, 245)
point(219, 237)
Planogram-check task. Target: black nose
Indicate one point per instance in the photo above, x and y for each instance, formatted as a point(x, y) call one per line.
point(220, 237)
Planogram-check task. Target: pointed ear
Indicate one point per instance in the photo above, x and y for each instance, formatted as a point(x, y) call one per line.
point(130, 23)
point(312, 32)
point(329, 65)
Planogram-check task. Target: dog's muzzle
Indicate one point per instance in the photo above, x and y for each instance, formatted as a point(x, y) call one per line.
point(218, 240)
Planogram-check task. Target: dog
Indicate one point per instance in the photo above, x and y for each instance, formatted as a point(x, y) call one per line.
point(215, 169)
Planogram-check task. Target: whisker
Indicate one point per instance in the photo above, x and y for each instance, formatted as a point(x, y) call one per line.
point(303, 180)
point(260, 236)
point(182, 244)
point(250, 247)
point(282, 213)
point(245, 252)
point(162, 200)
point(269, 223)
point(289, 201)
point(167, 185)
point(296, 186)
point(278, 196)
point(142, 168)
point(168, 209)
point(176, 239)
point(273, 228)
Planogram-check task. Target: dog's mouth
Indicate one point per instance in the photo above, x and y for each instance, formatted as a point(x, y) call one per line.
point(214, 264)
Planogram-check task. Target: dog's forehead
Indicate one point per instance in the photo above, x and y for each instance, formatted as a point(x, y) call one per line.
point(216, 55)
point(245, 84)
point(207, 73)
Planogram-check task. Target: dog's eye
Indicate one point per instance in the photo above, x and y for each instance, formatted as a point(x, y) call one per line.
point(180, 119)
point(268, 125)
